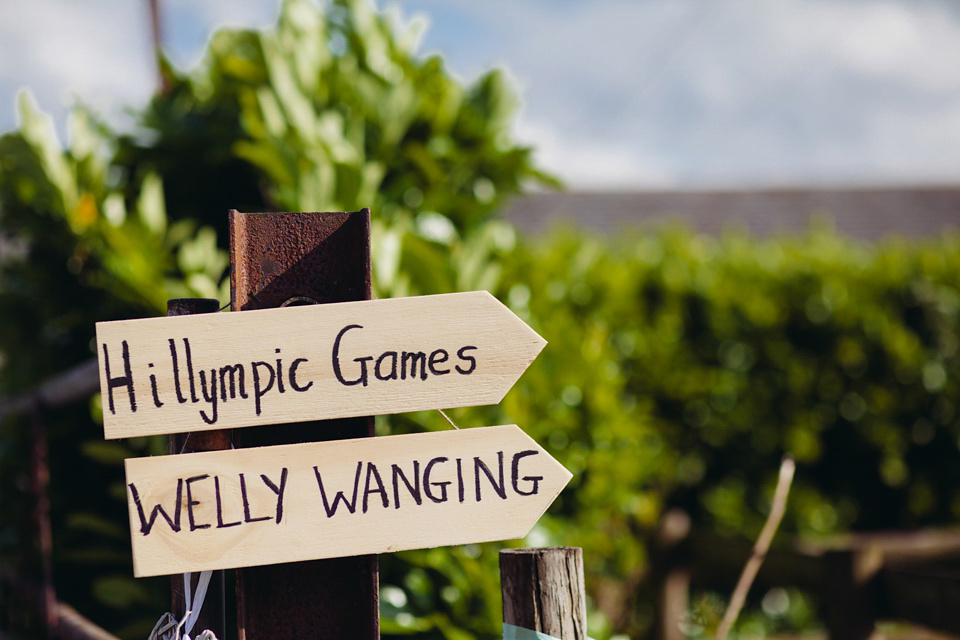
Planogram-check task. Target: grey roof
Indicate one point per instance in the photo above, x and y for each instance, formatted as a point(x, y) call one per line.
point(867, 213)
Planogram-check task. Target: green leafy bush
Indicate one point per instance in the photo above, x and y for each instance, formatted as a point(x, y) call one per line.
point(682, 367)
point(80, 246)
point(331, 110)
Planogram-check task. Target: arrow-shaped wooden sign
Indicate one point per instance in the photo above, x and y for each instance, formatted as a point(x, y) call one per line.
point(287, 503)
point(227, 370)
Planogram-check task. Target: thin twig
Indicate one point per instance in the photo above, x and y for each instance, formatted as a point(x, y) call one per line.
point(452, 424)
point(777, 509)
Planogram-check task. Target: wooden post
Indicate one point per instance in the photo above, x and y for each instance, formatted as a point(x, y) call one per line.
point(851, 592)
point(670, 573)
point(283, 259)
point(213, 612)
point(543, 591)
point(39, 485)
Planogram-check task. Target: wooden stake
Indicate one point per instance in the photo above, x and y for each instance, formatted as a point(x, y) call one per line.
point(213, 614)
point(543, 591)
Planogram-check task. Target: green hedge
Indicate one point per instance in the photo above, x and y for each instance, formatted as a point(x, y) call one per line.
point(681, 368)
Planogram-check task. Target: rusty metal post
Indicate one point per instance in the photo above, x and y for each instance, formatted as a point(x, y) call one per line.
point(213, 613)
point(543, 591)
point(284, 259)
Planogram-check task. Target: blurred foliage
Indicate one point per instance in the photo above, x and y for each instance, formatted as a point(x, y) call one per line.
point(333, 111)
point(330, 110)
point(80, 244)
point(680, 367)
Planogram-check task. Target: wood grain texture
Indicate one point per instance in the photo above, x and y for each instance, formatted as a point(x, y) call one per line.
point(543, 590)
point(288, 503)
point(192, 373)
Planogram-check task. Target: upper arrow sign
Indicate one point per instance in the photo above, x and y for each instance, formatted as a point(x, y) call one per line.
point(227, 370)
point(287, 503)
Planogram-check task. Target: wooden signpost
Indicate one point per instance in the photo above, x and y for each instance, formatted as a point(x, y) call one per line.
point(287, 503)
point(278, 260)
point(228, 370)
point(307, 498)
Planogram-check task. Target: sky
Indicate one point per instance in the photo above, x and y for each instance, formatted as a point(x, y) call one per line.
point(615, 94)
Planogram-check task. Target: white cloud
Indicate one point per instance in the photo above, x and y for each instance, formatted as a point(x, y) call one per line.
point(734, 90)
point(917, 43)
point(586, 163)
point(615, 92)
point(100, 51)
point(97, 51)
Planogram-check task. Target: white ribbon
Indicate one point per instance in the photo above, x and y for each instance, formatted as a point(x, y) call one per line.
point(192, 606)
point(511, 632)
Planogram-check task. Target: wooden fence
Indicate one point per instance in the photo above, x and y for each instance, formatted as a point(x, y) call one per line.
point(862, 579)
point(62, 621)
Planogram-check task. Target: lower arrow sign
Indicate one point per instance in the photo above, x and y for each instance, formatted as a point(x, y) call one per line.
point(228, 509)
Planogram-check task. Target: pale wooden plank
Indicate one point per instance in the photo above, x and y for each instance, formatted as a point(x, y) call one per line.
point(179, 374)
point(278, 513)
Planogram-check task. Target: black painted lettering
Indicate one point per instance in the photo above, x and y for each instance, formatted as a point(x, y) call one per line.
point(293, 376)
point(460, 490)
point(279, 372)
point(350, 504)
point(190, 502)
point(373, 473)
point(363, 368)
point(515, 474)
point(336, 360)
point(461, 353)
point(427, 485)
point(210, 397)
point(414, 489)
point(414, 358)
point(126, 380)
point(499, 487)
point(190, 378)
point(277, 490)
point(176, 370)
point(246, 503)
point(258, 390)
point(153, 389)
point(439, 357)
point(147, 525)
point(377, 371)
point(237, 377)
point(220, 522)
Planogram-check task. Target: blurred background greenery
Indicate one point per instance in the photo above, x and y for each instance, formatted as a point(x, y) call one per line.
point(680, 367)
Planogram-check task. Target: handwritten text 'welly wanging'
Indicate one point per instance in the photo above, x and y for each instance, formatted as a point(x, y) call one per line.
point(437, 480)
